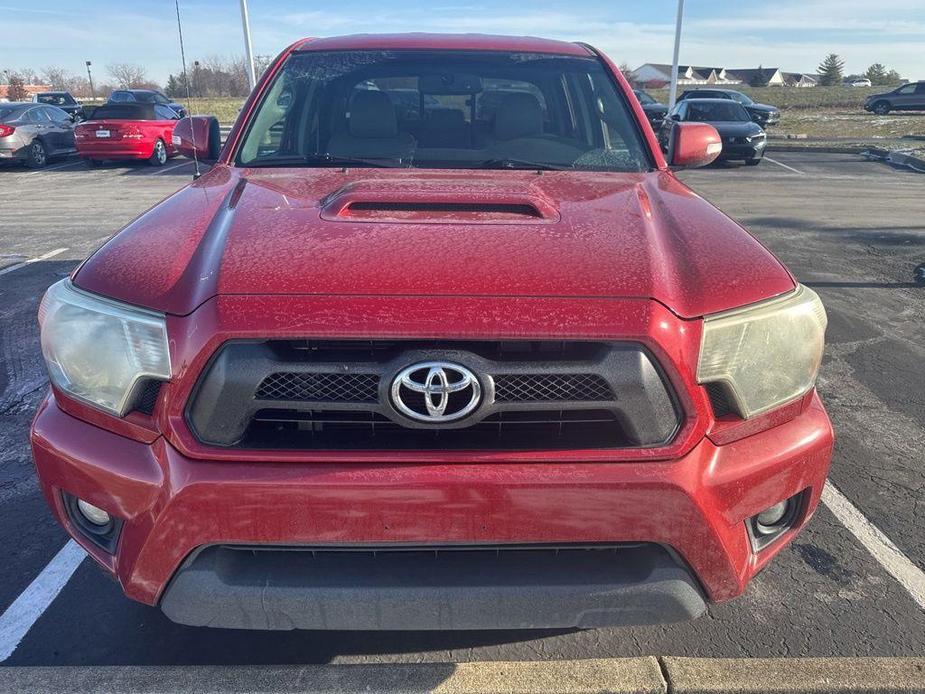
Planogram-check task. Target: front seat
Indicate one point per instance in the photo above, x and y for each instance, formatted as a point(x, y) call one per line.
point(372, 130)
point(518, 133)
point(518, 115)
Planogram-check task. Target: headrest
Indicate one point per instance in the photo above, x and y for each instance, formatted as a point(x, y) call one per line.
point(372, 114)
point(519, 115)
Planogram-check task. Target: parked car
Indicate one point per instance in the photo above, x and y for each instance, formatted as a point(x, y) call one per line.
point(860, 82)
point(145, 96)
point(908, 97)
point(127, 131)
point(762, 114)
point(742, 138)
point(346, 381)
point(655, 111)
point(62, 100)
point(34, 133)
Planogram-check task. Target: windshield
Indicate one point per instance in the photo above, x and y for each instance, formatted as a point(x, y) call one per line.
point(55, 99)
point(643, 97)
point(741, 98)
point(443, 109)
point(707, 111)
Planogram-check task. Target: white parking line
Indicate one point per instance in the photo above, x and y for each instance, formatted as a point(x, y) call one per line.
point(890, 557)
point(64, 165)
point(171, 168)
point(44, 256)
point(34, 600)
point(789, 168)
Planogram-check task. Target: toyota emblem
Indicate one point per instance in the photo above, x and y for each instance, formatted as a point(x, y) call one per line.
point(435, 392)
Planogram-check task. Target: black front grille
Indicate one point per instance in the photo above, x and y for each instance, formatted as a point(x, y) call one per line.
point(551, 388)
point(353, 430)
point(336, 395)
point(314, 387)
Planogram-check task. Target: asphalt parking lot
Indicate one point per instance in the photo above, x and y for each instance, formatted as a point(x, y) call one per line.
point(854, 230)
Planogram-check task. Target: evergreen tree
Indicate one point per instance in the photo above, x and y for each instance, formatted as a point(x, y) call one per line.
point(831, 71)
point(876, 73)
point(761, 78)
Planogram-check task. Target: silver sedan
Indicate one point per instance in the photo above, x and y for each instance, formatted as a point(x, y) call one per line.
point(34, 133)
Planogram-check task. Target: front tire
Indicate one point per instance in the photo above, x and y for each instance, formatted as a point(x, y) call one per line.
point(36, 157)
point(882, 108)
point(752, 162)
point(159, 155)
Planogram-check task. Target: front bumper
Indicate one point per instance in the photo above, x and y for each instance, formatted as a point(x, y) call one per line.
point(172, 506)
point(743, 151)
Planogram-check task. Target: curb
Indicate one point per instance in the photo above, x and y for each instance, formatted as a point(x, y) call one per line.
point(646, 675)
point(616, 676)
point(794, 676)
point(896, 158)
point(778, 146)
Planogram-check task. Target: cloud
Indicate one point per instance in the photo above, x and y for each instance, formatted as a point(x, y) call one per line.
point(794, 34)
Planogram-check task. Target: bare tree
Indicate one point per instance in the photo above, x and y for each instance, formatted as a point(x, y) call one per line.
point(57, 78)
point(128, 76)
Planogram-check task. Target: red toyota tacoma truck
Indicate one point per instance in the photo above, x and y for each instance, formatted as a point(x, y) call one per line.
point(439, 342)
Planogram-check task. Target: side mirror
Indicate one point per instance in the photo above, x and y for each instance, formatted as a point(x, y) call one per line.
point(676, 117)
point(199, 137)
point(693, 144)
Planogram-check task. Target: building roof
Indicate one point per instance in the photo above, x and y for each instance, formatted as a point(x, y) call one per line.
point(747, 74)
point(462, 42)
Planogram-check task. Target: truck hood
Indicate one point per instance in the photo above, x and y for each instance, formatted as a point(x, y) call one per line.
point(434, 233)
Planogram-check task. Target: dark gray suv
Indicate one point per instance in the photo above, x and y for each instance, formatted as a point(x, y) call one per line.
point(908, 97)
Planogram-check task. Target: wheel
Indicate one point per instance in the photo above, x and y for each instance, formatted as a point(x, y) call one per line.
point(92, 163)
point(881, 108)
point(36, 157)
point(752, 162)
point(159, 156)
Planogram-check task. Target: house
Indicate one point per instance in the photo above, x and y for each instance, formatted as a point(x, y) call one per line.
point(748, 76)
point(30, 90)
point(656, 75)
point(800, 79)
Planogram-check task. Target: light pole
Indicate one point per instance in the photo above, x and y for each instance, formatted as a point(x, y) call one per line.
point(673, 91)
point(248, 52)
point(90, 78)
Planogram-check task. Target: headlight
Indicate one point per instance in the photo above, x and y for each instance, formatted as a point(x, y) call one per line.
point(766, 354)
point(99, 350)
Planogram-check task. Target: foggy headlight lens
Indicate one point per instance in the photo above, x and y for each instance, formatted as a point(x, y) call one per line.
point(99, 350)
point(766, 354)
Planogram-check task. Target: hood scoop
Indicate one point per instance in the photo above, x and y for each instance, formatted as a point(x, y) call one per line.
point(447, 201)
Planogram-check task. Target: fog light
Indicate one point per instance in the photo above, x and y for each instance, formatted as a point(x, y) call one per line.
point(93, 514)
point(770, 517)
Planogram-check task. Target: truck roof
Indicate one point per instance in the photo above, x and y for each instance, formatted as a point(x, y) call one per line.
point(457, 42)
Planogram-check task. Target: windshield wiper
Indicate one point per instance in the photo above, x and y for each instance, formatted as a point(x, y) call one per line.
point(509, 163)
point(325, 159)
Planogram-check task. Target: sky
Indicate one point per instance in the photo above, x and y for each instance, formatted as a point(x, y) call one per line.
point(791, 34)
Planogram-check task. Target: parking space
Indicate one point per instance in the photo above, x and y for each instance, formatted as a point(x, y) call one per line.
point(850, 228)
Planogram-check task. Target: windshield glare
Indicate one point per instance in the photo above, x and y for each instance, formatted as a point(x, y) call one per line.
point(741, 98)
point(707, 111)
point(443, 109)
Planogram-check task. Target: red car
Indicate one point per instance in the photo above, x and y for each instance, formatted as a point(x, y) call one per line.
point(127, 131)
point(481, 363)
